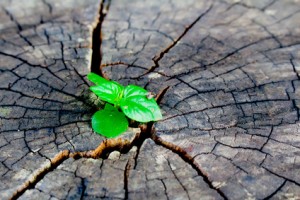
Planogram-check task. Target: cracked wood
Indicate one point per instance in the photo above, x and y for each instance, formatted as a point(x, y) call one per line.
point(227, 72)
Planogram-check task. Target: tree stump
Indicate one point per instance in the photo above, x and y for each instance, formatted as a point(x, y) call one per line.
point(226, 75)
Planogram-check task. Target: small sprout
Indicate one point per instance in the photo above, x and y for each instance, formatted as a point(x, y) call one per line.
point(136, 103)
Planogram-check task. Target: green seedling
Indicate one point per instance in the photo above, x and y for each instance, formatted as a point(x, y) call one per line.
point(135, 102)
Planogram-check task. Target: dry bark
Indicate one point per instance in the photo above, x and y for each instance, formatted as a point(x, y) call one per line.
point(228, 76)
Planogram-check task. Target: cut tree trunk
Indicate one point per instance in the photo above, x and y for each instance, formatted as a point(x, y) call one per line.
point(226, 75)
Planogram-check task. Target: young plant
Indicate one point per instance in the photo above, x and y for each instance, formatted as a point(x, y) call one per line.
point(135, 102)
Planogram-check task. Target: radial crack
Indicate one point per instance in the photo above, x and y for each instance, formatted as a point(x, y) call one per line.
point(102, 151)
point(97, 39)
point(126, 174)
point(276, 191)
point(158, 57)
point(188, 159)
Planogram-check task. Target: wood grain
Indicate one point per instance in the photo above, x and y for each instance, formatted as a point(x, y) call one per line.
point(231, 107)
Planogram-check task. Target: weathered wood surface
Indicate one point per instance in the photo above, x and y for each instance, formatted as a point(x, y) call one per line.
point(231, 109)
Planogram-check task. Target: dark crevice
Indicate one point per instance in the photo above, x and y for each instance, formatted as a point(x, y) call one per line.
point(188, 159)
point(147, 130)
point(275, 38)
point(232, 162)
point(281, 176)
point(115, 63)
point(234, 52)
point(126, 174)
point(12, 18)
point(244, 147)
point(46, 84)
point(165, 187)
point(221, 106)
point(136, 157)
point(56, 161)
point(63, 56)
point(20, 28)
point(97, 39)
point(266, 142)
point(158, 57)
point(178, 180)
point(102, 151)
point(268, 5)
point(83, 187)
point(276, 191)
point(161, 94)
point(49, 6)
point(294, 67)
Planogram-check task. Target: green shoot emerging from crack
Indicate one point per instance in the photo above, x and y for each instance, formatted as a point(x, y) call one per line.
point(135, 102)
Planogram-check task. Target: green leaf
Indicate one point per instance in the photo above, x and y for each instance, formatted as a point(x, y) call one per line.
point(133, 90)
point(109, 122)
point(96, 79)
point(137, 106)
point(108, 91)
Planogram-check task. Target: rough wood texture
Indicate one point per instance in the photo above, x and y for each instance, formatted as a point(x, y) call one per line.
point(156, 173)
point(231, 112)
point(45, 54)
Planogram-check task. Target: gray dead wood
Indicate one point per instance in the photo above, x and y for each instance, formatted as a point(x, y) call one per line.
point(45, 56)
point(233, 101)
point(231, 113)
